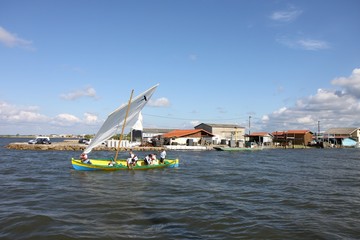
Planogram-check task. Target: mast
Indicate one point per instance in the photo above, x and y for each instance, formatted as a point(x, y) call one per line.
point(123, 126)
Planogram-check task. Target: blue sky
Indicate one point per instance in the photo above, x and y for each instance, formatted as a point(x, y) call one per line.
point(65, 65)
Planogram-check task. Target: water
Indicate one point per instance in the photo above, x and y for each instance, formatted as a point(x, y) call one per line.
point(270, 194)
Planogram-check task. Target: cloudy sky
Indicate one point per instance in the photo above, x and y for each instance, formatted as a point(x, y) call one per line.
point(65, 65)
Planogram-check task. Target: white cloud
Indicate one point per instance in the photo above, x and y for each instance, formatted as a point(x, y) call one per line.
point(286, 16)
point(28, 120)
point(311, 44)
point(90, 118)
point(194, 123)
point(351, 84)
point(87, 92)
point(280, 111)
point(12, 113)
point(265, 118)
point(305, 44)
point(65, 119)
point(306, 120)
point(11, 40)
point(333, 108)
point(160, 102)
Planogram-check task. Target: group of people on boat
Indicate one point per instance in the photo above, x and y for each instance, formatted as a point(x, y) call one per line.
point(149, 159)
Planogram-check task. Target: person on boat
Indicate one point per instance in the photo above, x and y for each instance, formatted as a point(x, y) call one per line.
point(154, 160)
point(84, 158)
point(131, 161)
point(162, 156)
point(148, 159)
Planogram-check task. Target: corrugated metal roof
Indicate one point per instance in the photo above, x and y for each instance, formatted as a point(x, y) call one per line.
point(340, 130)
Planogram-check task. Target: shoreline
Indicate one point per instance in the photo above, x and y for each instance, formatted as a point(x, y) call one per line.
point(71, 146)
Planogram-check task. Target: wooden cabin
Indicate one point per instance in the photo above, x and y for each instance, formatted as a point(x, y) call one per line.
point(293, 137)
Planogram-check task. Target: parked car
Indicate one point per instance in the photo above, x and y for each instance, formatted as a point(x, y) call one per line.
point(84, 141)
point(40, 140)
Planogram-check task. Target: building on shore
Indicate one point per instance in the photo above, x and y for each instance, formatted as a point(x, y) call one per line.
point(191, 137)
point(336, 136)
point(292, 137)
point(261, 138)
point(223, 133)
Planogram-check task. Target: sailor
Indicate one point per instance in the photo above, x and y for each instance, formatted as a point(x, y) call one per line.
point(148, 159)
point(162, 156)
point(84, 158)
point(131, 161)
point(154, 161)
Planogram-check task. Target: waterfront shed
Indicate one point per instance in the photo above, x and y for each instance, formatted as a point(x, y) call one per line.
point(223, 132)
point(338, 134)
point(260, 138)
point(300, 137)
point(296, 137)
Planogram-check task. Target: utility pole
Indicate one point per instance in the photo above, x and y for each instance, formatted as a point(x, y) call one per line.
point(249, 124)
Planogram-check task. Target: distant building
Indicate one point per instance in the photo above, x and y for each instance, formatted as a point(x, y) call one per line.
point(190, 137)
point(148, 133)
point(336, 135)
point(260, 138)
point(223, 132)
point(293, 137)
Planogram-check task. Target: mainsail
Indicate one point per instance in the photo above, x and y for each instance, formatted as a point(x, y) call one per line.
point(116, 118)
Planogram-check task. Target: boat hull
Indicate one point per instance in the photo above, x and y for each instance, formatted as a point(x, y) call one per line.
point(103, 165)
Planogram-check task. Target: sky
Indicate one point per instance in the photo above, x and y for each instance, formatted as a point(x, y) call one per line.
point(266, 65)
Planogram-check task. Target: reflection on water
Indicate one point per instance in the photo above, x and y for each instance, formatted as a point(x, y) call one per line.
point(272, 194)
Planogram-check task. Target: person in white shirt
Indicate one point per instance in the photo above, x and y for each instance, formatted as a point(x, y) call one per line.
point(84, 158)
point(131, 161)
point(162, 156)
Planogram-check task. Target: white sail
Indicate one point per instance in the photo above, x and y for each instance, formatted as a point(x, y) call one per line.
point(139, 123)
point(116, 119)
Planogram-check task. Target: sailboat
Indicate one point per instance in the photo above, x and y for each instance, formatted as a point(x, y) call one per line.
point(125, 115)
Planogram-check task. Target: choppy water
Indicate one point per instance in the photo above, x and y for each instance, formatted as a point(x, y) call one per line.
point(270, 194)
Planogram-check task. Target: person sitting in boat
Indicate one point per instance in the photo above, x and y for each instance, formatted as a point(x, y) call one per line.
point(154, 160)
point(131, 161)
point(162, 156)
point(148, 159)
point(84, 158)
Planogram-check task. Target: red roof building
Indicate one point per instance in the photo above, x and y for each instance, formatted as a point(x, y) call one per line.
point(185, 136)
point(296, 137)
